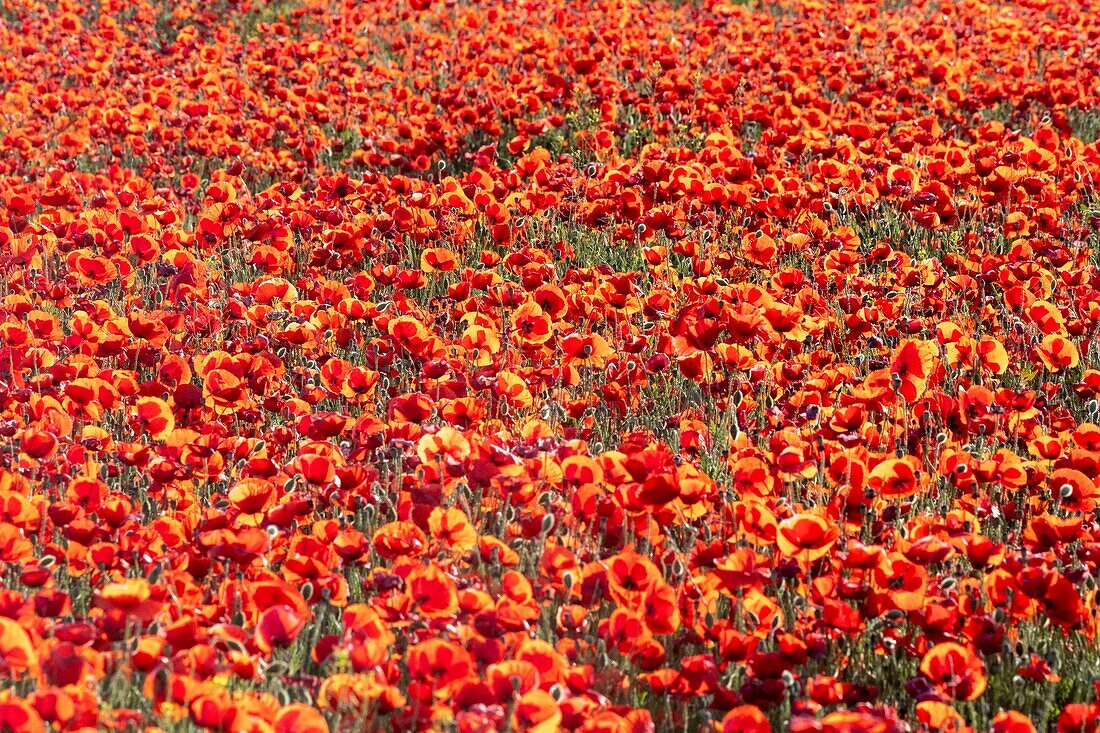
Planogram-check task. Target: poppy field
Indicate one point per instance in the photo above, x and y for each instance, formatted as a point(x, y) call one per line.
point(601, 367)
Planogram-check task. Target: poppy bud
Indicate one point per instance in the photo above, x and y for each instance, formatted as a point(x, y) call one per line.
point(160, 681)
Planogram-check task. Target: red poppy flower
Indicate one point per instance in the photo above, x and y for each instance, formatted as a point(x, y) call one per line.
point(19, 717)
point(585, 350)
point(17, 653)
point(955, 670)
point(896, 478)
point(298, 718)
point(806, 537)
point(278, 626)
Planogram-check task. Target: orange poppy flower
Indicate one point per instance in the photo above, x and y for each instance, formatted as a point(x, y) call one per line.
point(1057, 353)
point(536, 712)
point(399, 539)
point(481, 343)
point(17, 653)
point(437, 259)
point(629, 576)
point(992, 355)
point(155, 416)
point(298, 718)
point(585, 350)
point(516, 608)
point(432, 591)
point(1011, 721)
point(446, 444)
point(896, 478)
point(134, 597)
point(806, 537)
point(261, 595)
point(441, 663)
point(745, 719)
point(252, 497)
point(492, 549)
point(912, 366)
point(278, 626)
point(350, 693)
point(453, 529)
point(955, 670)
point(939, 716)
point(530, 325)
point(902, 583)
point(213, 710)
point(756, 521)
point(662, 613)
point(19, 717)
point(38, 444)
point(511, 678)
point(1074, 490)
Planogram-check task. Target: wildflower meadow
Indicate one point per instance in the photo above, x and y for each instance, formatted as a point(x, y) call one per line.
point(602, 366)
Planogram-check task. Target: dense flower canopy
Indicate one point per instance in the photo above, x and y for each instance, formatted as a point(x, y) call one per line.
point(601, 367)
